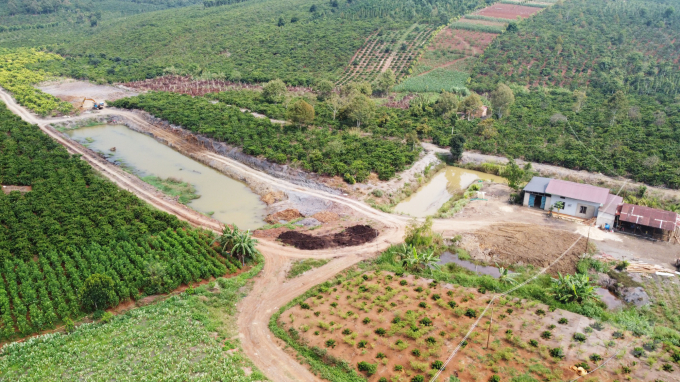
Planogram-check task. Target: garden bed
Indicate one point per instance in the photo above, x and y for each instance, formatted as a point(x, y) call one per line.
point(390, 328)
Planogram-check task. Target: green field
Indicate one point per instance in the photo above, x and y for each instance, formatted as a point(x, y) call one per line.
point(435, 81)
point(183, 338)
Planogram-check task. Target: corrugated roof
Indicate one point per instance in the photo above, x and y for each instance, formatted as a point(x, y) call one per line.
point(578, 191)
point(537, 184)
point(648, 216)
point(612, 204)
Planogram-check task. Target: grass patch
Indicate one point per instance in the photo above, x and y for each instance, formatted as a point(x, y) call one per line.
point(302, 266)
point(173, 337)
point(185, 192)
point(436, 80)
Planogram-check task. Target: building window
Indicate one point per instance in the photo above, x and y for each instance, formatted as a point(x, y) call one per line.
point(583, 210)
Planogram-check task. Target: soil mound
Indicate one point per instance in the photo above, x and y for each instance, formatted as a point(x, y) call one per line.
point(287, 215)
point(326, 216)
point(355, 235)
point(527, 244)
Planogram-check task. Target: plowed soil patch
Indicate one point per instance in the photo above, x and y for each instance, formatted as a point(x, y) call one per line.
point(527, 244)
point(508, 11)
point(355, 235)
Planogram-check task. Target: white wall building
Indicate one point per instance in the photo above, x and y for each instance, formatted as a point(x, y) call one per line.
point(575, 199)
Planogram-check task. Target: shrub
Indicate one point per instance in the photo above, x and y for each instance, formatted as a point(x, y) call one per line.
point(316, 333)
point(107, 317)
point(449, 293)
point(304, 305)
point(381, 355)
point(334, 304)
point(650, 346)
point(533, 343)
point(368, 368)
point(546, 335)
point(495, 378)
point(638, 352)
point(563, 321)
point(464, 344)
point(431, 340)
point(403, 282)
point(595, 357)
point(426, 321)
point(626, 370)
point(452, 304)
point(482, 290)
point(423, 305)
point(366, 320)
point(398, 368)
point(419, 289)
point(676, 357)
point(667, 367)
point(381, 332)
point(362, 344)
point(509, 311)
point(346, 332)
point(588, 329)
point(330, 344)
point(437, 365)
point(415, 352)
point(540, 312)
point(597, 326)
point(470, 313)
point(382, 379)
point(317, 314)
point(436, 297)
point(396, 320)
point(551, 327)
point(618, 335)
point(418, 378)
point(557, 353)
point(579, 337)
point(509, 331)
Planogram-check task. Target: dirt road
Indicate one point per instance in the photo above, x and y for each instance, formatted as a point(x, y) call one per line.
point(270, 289)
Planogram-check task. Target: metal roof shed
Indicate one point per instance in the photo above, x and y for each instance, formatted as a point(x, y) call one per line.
point(650, 217)
point(537, 185)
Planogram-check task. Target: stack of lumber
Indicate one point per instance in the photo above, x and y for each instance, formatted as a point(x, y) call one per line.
point(640, 267)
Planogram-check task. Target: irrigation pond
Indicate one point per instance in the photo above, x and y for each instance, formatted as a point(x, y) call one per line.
point(225, 199)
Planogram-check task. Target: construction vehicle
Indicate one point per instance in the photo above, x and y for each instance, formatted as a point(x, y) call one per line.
point(95, 106)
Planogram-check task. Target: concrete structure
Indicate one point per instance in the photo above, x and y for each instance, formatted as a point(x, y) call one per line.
point(574, 199)
point(607, 213)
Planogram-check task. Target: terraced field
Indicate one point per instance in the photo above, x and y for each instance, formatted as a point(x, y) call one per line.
point(387, 49)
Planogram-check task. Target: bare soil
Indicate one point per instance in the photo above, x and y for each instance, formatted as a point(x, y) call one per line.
point(526, 244)
point(352, 236)
point(287, 215)
point(508, 11)
point(364, 306)
point(22, 189)
point(75, 91)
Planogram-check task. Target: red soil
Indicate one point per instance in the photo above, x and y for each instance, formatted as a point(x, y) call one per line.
point(508, 11)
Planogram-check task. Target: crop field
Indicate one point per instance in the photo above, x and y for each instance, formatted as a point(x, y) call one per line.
point(395, 49)
point(392, 328)
point(435, 81)
point(583, 51)
point(508, 11)
point(447, 61)
point(72, 224)
point(184, 338)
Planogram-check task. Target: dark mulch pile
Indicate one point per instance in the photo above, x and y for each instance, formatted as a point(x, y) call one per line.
point(355, 235)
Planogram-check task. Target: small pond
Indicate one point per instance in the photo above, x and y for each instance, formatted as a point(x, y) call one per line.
point(605, 295)
point(448, 257)
point(437, 191)
point(229, 200)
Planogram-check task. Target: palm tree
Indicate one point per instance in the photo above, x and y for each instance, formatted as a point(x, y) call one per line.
point(244, 246)
point(226, 240)
point(424, 260)
point(506, 277)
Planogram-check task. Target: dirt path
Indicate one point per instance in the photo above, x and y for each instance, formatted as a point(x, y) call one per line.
point(270, 289)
